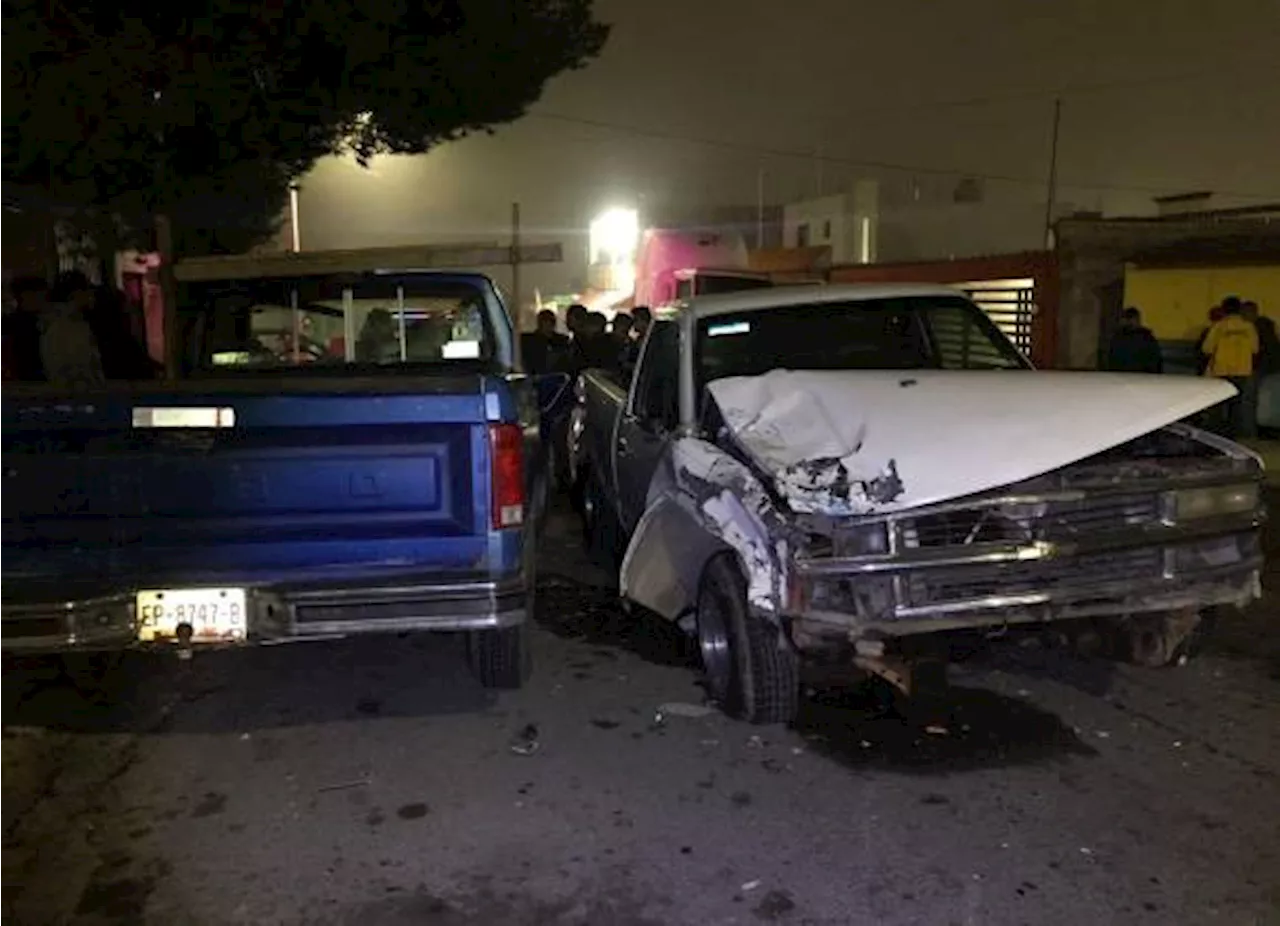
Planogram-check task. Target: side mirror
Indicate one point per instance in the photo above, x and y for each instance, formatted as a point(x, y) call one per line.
point(551, 388)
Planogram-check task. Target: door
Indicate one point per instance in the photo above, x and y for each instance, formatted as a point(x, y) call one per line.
point(649, 421)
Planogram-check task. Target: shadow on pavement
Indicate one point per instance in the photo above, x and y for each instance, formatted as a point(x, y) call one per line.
point(594, 615)
point(970, 728)
point(243, 690)
point(1091, 675)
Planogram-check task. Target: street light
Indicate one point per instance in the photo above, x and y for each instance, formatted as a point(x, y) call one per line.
point(613, 237)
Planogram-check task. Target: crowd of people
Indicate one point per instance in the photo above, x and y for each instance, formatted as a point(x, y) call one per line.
point(592, 342)
point(1239, 344)
point(72, 334)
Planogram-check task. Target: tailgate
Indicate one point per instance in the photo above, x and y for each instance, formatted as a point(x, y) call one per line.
point(257, 484)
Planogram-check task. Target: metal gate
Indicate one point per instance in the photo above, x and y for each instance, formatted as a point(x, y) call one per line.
point(1011, 304)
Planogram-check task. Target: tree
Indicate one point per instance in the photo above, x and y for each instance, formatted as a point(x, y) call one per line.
point(207, 111)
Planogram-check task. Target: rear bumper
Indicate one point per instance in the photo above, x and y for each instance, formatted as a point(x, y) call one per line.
point(282, 613)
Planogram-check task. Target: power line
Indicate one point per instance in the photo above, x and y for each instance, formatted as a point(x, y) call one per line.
point(812, 157)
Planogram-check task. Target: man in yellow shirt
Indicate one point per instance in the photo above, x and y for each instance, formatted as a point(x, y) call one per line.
point(1231, 347)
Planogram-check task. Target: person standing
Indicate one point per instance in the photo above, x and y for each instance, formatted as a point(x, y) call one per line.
point(123, 356)
point(1231, 346)
point(574, 316)
point(641, 319)
point(68, 347)
point(620, 328)
point(1134, 349)
point(545, 346)
point(22, 360)
point(1268, 361)
point(1202, 361)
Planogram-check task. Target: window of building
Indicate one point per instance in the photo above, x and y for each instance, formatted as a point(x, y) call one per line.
point(826, 230)
point(802, 235)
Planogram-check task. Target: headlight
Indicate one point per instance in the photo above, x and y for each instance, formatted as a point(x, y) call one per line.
point(1211, 501)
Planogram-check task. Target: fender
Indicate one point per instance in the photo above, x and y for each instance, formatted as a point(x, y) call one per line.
point(701, 502)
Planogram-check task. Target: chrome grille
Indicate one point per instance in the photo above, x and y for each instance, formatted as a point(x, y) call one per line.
point(934, 587)
point(1056, 520)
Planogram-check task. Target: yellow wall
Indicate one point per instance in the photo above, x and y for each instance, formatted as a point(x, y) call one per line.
point(1175, 303)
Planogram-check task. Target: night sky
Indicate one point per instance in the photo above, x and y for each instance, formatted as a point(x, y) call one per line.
point(686, 106)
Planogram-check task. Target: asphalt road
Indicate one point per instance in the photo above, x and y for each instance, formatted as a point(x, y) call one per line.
point(373, 783)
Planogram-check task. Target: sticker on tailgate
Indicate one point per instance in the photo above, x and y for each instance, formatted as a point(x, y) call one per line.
point(162, 417)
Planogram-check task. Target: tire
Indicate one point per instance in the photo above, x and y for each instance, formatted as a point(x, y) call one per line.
point(501, 658)
point(1159, 640)
point(749, 673)
point(599, 526)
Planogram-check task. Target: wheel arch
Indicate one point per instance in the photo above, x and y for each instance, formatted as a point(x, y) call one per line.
point(703, 502)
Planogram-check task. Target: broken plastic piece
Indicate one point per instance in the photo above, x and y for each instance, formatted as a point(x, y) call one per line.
point(685, 709)
point(525, 743)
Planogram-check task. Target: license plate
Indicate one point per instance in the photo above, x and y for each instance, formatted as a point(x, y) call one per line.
point(216, 615)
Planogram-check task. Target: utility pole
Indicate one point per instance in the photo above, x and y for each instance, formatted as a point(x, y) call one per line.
point(515, 264)
point(760, 209)
point(1051, 195)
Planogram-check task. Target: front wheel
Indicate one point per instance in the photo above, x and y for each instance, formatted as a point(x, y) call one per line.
point(1158, 640)
point(501, 658)
point(750, 670)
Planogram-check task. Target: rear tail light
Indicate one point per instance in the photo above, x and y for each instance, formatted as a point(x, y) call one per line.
point(506, 453)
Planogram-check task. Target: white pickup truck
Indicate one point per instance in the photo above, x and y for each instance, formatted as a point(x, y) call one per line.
point(851, 474)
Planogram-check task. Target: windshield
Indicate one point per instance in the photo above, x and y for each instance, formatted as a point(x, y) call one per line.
point(910, 333)
point(339, 322)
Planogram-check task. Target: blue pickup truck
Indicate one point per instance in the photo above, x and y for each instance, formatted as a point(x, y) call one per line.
point(344, 454)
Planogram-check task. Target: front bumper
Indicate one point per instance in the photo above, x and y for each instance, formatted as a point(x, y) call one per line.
point(279, 613)
point(1160, 567)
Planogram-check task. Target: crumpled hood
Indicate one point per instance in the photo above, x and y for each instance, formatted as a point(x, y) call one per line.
point(865, 441)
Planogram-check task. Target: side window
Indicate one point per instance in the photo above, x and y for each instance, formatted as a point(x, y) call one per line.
point(684, 289)
point(657, 391)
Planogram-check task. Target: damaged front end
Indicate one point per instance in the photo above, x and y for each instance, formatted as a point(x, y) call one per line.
point(1159, 528)
point(1164, 525)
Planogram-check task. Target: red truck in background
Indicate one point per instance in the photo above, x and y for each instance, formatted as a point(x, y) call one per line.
point(672, 266)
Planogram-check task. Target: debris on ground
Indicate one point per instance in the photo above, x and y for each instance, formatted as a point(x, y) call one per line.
point(756, 742)
point(936, 729)
point(525, 743)
point(685, 709)
point(344, 786)
point(750, 886)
